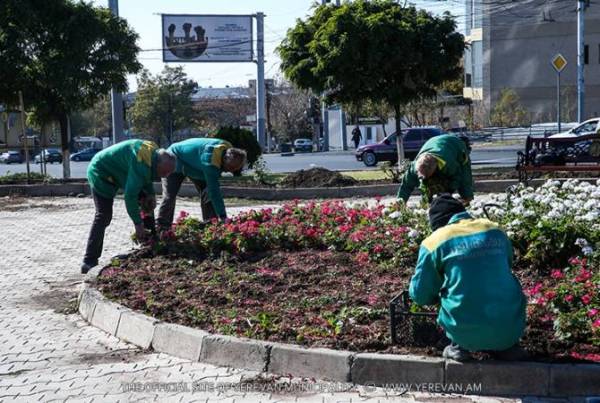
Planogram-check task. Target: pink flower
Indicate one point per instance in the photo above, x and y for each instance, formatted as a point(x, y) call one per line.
point(362, 258)
point(557, 274)
point(569, 298)
point(592, 312)
point(378, 248)
point(535, 289)
point(372, 299)
point(586, 299)
point(596, 323)
point(183, 214)
point(550, 294)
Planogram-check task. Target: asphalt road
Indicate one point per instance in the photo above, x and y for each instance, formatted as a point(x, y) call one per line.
point(339, 161)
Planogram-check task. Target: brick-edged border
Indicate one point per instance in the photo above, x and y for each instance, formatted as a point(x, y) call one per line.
point(494, 378)
point(269, 194)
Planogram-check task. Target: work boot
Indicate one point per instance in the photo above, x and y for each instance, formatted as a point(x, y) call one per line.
point(456, 353)
point(87, 266)
point(515, 353)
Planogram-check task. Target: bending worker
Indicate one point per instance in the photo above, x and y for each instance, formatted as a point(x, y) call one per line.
point(442, 166)
point(466, 266)
point(130, 166)
point(202, 160)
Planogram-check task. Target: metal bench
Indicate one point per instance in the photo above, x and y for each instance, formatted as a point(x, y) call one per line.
point(571, 154)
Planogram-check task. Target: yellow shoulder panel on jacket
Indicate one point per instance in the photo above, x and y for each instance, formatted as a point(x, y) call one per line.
point(461, 228)
point(144, 154)
point(217, 155)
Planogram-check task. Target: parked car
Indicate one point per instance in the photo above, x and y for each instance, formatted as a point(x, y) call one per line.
point(11, 157)
point(591, 126)
point(385, 150)
point(51, 155)
point(84, 155)
point(305, 145)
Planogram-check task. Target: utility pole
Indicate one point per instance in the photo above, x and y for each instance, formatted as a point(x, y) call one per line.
point(581, 5)
point(24, 131)
point(324, 108)
point(116, 97)
point(260, 79)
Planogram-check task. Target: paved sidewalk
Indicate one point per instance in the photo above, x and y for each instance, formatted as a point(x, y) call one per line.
point(47, 355)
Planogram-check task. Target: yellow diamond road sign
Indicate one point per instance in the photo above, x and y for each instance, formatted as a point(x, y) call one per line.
point(559, 63)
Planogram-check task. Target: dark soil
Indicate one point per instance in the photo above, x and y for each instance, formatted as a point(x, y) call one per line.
point(313, 298)
point(317, 177)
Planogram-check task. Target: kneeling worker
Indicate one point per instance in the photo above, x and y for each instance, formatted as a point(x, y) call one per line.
point(132, 166)
point(442, 166)
point(202, 160)
point(466, 265)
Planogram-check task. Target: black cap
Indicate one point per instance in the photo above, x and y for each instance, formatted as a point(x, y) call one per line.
point(442, 209)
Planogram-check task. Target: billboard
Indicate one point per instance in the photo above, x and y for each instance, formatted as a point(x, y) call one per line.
point(207, 38)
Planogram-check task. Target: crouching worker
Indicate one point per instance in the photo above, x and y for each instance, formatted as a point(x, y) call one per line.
point(131, 166)
point(202, 160)
point(465, 264)
point(443, 165)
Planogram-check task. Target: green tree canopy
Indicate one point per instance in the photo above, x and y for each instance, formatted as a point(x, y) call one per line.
point(374, 50)
point(163, 104)
point(63, 56)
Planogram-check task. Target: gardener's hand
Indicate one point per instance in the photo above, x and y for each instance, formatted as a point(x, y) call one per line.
point(466, 201)
point(140, 232)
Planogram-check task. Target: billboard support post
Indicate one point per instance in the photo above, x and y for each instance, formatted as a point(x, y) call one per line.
point(260, 82)
point(116, 97)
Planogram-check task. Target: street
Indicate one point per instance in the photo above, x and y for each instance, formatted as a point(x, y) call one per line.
point(338, 161)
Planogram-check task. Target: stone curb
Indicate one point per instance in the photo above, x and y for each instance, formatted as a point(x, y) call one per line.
point(372, 369)
point(269, 194)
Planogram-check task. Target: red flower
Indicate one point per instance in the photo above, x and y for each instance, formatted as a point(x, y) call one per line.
point(362, 258)
point(586, 299)
point(596, 323)
point(550, 294)
point(557, 274)
point(592, 312)
point(378, 248)
point(569, 298)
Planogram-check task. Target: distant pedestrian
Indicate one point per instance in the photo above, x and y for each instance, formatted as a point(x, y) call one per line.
point(356, 136)
point(130, 166)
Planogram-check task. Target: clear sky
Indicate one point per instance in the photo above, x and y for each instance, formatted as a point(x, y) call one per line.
point(144, 17)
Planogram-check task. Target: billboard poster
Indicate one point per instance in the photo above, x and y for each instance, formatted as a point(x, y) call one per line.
point(207, 38)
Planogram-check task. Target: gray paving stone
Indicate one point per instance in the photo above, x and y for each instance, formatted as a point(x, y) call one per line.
point(380, 369)
point(179, 341)
point(234, 352)
point(576, 379)
point(501, 378)
point(136, 328)
point(318, 363)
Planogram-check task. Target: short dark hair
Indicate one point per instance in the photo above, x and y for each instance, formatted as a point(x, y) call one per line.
point(442, 209)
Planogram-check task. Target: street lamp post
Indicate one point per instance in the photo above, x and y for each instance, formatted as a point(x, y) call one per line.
point(115, 96)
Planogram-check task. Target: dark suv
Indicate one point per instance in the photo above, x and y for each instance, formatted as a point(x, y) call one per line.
point(385, 150)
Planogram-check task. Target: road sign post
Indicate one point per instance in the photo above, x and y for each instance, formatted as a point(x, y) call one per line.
point(559, 63)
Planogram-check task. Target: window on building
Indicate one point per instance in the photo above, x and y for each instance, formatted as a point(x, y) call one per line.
point(586, 54)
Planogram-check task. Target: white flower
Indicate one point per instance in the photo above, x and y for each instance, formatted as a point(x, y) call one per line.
point(581, 242)
point(587, 250)
point(591, 216)
point(395, 214)
point(413, 233)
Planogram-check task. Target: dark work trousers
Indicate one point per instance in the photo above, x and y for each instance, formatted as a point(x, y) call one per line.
point(104, 211)
point(170, 188)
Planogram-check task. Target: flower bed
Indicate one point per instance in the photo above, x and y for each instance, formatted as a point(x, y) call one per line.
point(323, 274)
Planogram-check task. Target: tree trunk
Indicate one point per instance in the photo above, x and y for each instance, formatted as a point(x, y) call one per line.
point(65, 139)
point(399, 137)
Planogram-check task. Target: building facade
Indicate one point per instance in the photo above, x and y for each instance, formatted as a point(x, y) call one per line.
point(511, 45)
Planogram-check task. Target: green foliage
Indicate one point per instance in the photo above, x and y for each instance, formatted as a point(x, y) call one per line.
point(241, 138)
point(63, 56)
point(163, 104)
point(17, 178)
point(95, 121)
point(372, 50)
point(508, 111)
